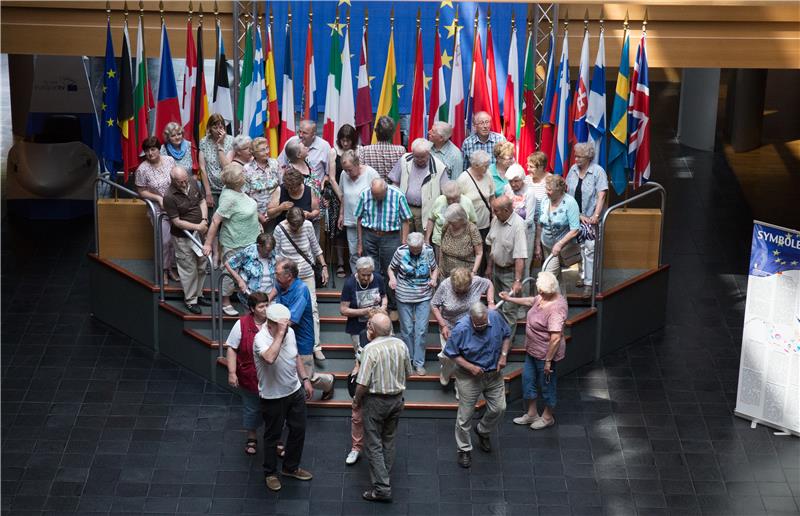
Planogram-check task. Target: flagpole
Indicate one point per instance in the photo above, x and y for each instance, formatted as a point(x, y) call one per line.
point(116, 190)
point(625, 27)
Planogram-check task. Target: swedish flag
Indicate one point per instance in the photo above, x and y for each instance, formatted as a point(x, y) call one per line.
point(618, 141)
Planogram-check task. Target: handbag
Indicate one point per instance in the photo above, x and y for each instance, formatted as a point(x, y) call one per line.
point(570, 254)
point(485, 202)
point(585, 232)
point(314, 266)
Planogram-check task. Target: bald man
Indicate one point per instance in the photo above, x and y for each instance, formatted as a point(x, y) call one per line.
point(509, 250)
point(482, 137)
point(318, 149)
point(381, 381)
point(186, 208)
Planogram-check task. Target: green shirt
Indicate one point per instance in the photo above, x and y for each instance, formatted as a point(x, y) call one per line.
point(240, 226)
point(437, 215)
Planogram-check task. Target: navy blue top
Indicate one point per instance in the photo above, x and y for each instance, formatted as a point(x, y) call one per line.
point(298, 299)
point(481, 348)
point(362, 297)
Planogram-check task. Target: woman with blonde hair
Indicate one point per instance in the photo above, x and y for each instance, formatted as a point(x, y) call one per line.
point(504, 156)
point(558, 225)
point(177, 147)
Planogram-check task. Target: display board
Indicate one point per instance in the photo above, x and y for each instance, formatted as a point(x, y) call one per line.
point(769, 370)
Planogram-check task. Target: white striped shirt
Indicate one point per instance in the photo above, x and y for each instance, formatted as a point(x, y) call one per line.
point(385, 365)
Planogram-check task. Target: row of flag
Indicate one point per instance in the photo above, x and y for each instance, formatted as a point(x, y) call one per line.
point(566, 118)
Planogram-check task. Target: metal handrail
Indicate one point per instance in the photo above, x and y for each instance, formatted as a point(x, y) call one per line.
point(524, 282)
point(160, 249)
point(199, 245)
point(597, 284)
point(151, 208)
point(217, 275)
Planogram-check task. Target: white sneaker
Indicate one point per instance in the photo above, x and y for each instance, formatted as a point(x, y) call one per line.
point(525, 419)
point(230, 310)
point(319, 355)
point(352, 457)
point(421, 371)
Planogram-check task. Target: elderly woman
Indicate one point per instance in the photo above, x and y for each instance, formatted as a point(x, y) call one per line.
point(295, 240)
point(476, 184)
point(504, 153)
point(362, 292)
point(242, 153)
point(176, 147)
point(253, 268)
point(261, 175)
point(557, 227)
point(152, 182)
point(296, 154)
point(588, 185)
point(537, 172)
point(544, 346)
point(241, 366)
point(357, 177)
point(346, 140)
point(236, 221)
point(451, 194)
point(412, 275)
point(524, 203)
point(461, 244)
point(293, 193)
point(451, 302)
point(216, 151)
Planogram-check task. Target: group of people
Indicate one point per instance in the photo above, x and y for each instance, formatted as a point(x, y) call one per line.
point(437, 232)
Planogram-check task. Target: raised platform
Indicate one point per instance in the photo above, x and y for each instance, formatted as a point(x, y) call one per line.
point(124, 296)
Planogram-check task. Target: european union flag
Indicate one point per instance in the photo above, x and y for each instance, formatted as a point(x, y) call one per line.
point(774, 250)
point(110, 145)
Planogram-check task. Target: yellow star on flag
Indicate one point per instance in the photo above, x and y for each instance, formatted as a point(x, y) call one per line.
point(336, 26)
point(446, 3)
point(104, 88)
point(794, 263)
point(103, 106)
point(110, 122)
point(342, 2)
point(777, 260)
point(111, 74)
point(370, 79)
point(452, 28)
point(427, 80)
point(446, 59)
point(776, 252)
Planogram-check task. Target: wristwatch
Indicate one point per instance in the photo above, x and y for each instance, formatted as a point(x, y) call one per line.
point(504, 353)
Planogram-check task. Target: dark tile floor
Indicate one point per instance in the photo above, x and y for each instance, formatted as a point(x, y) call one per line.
point(93, 423)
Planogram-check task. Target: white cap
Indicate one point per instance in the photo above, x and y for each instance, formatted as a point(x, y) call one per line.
point(277, 311)
point(515, 171)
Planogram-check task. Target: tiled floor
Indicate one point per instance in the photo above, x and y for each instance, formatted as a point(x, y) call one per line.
point(92, 423)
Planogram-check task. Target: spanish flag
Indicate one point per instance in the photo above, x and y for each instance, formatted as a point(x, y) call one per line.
point(273, 118)
point(388, 102)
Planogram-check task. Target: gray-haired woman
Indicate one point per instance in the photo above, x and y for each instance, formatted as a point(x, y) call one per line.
point(242, 154)
point(461, 242)
point(176, 147)
point(412, 275)
point(362, 292)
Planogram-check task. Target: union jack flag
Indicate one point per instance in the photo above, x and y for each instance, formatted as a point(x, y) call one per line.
point(639, 118)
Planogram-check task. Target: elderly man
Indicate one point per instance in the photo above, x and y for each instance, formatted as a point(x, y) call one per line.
point(356, 179)
point(420, 176)
point(482, 137)
point(318, 149)
point(382, 155)
point(380, 384)
point(478, 345)
point(445, 150)
point(186, 208)
point(382, 218)
point(292, 292)
point(507, 255)
point(283, 387)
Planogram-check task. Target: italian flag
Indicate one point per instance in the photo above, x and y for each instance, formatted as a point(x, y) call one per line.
point(140, 92)
point(333, 89)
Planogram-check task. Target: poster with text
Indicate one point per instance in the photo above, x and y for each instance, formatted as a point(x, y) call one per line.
point(769, 371)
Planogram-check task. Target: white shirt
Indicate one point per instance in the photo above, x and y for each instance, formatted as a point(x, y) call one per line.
point(352, 190)
point(279, 379)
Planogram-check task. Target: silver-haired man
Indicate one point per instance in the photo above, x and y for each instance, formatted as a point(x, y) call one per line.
point(420, 176)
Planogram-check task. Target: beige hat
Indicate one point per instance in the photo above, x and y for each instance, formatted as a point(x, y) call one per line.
point(515, 171)
point(277, 311)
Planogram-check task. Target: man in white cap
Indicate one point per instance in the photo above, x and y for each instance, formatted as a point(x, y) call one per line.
point(283, 387)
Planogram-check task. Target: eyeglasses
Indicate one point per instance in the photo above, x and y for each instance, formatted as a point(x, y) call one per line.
point(482, 122)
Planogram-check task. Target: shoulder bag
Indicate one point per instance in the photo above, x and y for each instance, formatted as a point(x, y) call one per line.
point(317, 268)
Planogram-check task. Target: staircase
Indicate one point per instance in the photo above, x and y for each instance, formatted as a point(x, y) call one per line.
point(425, 397)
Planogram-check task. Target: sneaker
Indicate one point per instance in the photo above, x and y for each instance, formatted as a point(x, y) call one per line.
point(525, 419)
point(352, 457)
point(319, 355)
point(421, 371)
point(442, 380)
point(273, 483)
point(541, 423)
point(299, 474)
point(230, 310)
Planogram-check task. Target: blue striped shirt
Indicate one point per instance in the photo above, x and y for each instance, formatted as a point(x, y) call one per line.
point(386, 215)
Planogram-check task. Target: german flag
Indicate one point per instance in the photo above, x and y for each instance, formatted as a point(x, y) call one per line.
point(125, 118)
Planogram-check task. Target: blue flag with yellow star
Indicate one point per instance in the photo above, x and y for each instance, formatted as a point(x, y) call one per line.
point(110, 145)
point(774, 250)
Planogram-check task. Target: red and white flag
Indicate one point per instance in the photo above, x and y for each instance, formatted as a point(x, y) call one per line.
point(416, 125)
point(287, 102)
point(363, 97)
point(478, 92)
point(309, 80)
point(455, 116)
point(491, 82)
point(511, 95)
point(189, 80)
point(438, 111)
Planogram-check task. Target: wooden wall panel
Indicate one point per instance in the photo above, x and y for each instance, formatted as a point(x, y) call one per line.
point(681, 33)
point(632, 239)
point(124, 229)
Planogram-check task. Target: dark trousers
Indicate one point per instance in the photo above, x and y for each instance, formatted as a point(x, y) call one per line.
point(381, 415)
point(290, 410)
point(381, 249)
point(486, 250)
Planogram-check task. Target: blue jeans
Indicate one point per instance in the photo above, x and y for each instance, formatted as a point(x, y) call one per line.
point(251, 410)
point(413, 326)
point(533, 375)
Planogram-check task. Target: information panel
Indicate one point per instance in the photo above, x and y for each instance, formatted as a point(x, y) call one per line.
point(769, 371)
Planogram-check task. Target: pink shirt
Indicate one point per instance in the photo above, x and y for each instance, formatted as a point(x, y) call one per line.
point(541, 321)
point(156, 179)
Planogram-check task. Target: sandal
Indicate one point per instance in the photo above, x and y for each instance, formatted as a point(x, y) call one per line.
point(251, 447)
point(340, 272)
point(280, 450)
